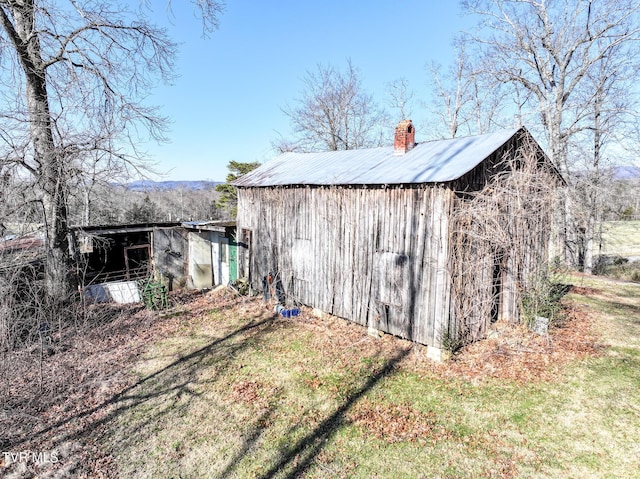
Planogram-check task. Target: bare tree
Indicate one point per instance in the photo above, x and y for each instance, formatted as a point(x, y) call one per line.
point(453, 91)
point(549, 48)
point(335, 113)
point(89, 174)
point(400, 98)
point(464, 102)
point(610, 107)
point(74, 79)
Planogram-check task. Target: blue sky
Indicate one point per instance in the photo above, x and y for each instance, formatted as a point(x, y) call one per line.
point(226, 103)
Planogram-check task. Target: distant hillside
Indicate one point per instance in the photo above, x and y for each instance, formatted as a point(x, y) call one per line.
point(147, 185)
point(619, 173)
point(626, 172)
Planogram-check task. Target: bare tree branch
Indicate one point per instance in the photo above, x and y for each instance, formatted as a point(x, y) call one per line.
point(334, 112)
point(75, 81)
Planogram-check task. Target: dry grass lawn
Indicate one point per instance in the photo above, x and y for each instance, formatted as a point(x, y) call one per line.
point(222, 388)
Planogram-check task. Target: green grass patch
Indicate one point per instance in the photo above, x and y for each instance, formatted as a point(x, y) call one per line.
point(253, 396)
point(622, 269)
point(621, 238)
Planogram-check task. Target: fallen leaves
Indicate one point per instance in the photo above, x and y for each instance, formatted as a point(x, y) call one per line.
point(514, 353)
point(247, 392)
point(584, 290)
point(62, 402)
point(397, 422)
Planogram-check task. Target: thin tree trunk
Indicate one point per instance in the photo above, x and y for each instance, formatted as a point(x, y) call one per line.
point(593, 216)
point(86, 216)
point(589, 241)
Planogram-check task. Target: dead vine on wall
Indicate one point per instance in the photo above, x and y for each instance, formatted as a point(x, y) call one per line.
point(500, 244)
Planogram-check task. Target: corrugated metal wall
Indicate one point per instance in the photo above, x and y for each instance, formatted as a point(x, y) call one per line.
point(377, 256)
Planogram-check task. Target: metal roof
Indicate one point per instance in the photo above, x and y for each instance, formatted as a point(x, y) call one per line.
point(429, 162)
point(209, 225)
point(122, 229)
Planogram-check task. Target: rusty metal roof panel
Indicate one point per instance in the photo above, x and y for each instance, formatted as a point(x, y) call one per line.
point(428, 162)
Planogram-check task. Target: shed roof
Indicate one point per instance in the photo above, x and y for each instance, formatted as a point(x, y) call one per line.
point(208, 225)
point(428, 162)
point(98, 230)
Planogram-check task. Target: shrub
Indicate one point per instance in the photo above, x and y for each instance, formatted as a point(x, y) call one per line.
point(626, 214)
point(543, 297)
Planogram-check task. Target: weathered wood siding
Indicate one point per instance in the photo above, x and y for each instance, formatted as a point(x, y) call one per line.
point(377, 255)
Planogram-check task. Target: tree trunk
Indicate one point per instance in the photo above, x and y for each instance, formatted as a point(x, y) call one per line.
point(594, 187)
point(86, 205)
point(558, 146)
point(590, 233)
point(49, 164)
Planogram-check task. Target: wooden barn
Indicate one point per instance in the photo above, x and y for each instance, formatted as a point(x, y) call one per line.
point(395, 238)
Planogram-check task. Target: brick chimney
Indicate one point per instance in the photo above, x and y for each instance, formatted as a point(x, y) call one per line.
point(404, 138)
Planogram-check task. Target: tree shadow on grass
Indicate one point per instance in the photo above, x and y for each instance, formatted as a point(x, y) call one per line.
point(176, 378)
point(169, 391)
point(301, 455)
point(630, 311)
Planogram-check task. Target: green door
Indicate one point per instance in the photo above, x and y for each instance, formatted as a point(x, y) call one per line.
point(233, 260)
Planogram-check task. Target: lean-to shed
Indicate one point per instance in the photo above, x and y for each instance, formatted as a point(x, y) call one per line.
point(192, 254)
point(391, 238)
